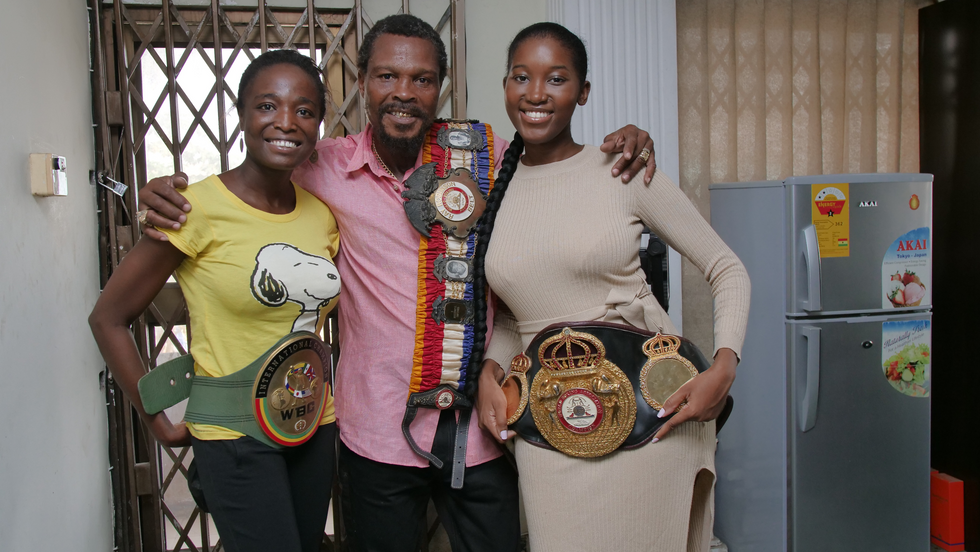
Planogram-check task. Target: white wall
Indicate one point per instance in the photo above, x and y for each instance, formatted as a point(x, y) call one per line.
point(54, 487)
point(490, 26)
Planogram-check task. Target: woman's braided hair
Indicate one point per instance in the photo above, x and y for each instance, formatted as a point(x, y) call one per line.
point(485, 225)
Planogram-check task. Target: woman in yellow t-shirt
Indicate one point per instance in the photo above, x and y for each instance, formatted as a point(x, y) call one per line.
point(255, 265)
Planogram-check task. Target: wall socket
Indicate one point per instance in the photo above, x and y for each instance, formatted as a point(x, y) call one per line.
point(49, 175)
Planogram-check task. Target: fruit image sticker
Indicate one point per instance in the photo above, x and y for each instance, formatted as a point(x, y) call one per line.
point(832, 219)
point(906, 356)
point(906, 271)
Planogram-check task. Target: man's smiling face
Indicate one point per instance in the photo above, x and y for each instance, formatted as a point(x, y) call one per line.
point(402, 90)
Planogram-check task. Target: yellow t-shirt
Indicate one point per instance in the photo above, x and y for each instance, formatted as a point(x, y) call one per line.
point(250, 278)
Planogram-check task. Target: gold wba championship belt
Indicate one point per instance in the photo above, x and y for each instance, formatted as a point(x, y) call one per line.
point(593, 387)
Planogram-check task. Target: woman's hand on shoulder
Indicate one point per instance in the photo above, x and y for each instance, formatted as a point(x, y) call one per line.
point(703, 398)
point(491, 403)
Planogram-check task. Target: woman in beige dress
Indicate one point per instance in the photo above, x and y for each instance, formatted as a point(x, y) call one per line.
point(563, 246)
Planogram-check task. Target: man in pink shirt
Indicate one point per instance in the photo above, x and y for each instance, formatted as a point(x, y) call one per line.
point(386, 485)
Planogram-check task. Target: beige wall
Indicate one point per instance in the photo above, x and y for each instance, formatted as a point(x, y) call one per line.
point(54, 487)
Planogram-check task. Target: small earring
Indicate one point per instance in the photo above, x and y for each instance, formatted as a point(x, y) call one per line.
point(241, 144)
point(314, 157)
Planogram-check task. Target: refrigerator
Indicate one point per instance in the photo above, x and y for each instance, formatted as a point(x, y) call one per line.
point(827, 448)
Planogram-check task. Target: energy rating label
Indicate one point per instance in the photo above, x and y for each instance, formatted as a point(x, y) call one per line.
point(832, 219)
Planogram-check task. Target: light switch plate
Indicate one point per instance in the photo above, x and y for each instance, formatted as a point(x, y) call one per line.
point(49, 175)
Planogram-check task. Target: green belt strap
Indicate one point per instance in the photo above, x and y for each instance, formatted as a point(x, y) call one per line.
point(167, 384)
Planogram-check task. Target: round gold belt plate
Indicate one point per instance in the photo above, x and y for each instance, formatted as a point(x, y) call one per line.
point(583, 404)
point(665, 370)
point(290, 390)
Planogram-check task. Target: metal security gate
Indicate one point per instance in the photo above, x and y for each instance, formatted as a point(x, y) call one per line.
point(164, 81)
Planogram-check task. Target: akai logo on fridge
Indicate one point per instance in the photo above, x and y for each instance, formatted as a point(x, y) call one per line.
point(868, 204)
point(912, 245)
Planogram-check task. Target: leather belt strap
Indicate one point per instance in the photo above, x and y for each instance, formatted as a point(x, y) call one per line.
point(459, 451)
point(437, 398)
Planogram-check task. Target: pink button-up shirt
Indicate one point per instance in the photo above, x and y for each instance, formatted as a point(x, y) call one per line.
point(378, 264)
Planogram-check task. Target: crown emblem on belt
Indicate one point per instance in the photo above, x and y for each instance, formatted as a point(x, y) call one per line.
point(571, 350)
point(661, 345)
point(520, 363)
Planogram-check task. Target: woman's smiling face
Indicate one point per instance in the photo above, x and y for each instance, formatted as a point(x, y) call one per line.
point(279, 117)
point(541, 91)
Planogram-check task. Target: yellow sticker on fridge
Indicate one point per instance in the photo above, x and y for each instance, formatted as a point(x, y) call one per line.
point(831, 218)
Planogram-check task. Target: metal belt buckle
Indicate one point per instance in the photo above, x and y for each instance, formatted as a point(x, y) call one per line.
point(665, 370)
point(583, 404)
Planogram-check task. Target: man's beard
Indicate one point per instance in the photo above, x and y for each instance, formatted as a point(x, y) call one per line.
point(409, 144)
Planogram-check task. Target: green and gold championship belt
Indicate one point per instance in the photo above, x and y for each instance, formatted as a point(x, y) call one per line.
point(590, 388)
point(277, 399)
point(444, 199)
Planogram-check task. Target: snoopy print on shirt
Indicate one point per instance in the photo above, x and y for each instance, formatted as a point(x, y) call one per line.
point(284, 273)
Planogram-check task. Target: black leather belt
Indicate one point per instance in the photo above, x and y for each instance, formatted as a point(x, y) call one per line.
point(588, 388)
point(443, 397)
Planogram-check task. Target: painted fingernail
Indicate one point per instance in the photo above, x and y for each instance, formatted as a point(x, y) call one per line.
point(655, 439)
point(662, 413)
point(503, 435)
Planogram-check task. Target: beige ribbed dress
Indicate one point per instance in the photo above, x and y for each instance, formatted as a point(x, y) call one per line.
point(565, 248)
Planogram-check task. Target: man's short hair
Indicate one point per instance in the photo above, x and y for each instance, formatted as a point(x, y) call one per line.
point(403, 25)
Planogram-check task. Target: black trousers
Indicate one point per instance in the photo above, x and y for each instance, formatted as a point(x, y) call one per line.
point(384, 505)
point(264, 499)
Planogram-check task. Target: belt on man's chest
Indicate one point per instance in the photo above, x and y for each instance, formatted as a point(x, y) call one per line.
point(444, 199)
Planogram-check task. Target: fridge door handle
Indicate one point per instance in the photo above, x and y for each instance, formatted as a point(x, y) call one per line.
point(811, 388)
point(811, 255)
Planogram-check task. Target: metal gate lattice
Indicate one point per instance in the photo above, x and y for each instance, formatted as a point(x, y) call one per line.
point(164, 82)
